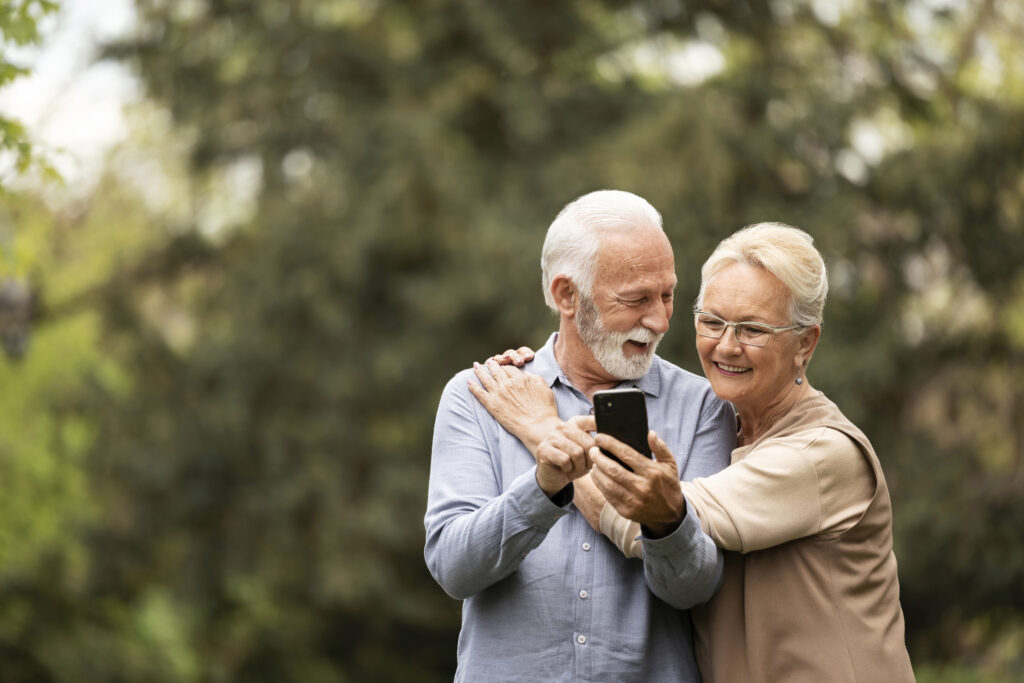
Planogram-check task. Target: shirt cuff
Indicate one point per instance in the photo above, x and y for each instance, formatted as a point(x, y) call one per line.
point(535, 506)
point(563, 497)
point(682, 540)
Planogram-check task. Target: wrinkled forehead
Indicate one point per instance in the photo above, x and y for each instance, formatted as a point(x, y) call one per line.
point(642, 255)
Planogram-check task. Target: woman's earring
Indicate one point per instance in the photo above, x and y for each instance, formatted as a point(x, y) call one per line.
point(799, 380)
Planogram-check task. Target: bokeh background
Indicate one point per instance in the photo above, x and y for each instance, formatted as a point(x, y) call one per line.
point(224, 340)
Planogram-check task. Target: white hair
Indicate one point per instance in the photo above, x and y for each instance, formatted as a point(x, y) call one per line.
point(786, 252)
point(574, 237)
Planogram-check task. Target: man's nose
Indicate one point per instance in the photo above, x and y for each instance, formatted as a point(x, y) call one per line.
point(657, 316)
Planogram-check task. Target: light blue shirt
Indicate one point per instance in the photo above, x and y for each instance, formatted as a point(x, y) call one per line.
point(546, 598)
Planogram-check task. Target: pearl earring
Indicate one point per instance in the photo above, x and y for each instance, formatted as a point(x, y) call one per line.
point(799, 380)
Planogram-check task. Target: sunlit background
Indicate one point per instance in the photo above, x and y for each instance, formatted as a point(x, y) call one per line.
point(244, 244)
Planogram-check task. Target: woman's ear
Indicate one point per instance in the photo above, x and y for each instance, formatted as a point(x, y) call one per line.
point(565, 294)
point(808, 342)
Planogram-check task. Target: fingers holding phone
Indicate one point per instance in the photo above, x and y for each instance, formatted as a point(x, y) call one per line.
point(646, 488)
point(622, 413)
point(651, 495)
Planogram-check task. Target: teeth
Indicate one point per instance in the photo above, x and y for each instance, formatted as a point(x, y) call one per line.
point(732, 368)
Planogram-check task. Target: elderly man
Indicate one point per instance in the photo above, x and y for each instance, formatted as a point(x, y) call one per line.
point(545, 597)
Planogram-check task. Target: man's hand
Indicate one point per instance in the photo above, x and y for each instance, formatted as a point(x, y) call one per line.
point(562, 455)
point(650, 494)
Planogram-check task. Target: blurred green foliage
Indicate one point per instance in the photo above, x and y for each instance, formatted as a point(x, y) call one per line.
point(19, 25)
point(217, 447)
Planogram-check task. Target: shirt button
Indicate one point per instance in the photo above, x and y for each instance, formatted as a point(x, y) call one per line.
point(581, 639)
point(586, 546)
point(583, 595)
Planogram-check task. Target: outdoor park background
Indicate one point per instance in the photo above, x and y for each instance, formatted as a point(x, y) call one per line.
point(215, 421)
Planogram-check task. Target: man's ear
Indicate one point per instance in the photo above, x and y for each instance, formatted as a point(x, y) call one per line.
point(565, 294)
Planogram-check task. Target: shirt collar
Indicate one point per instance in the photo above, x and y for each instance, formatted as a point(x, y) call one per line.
point(545, 365)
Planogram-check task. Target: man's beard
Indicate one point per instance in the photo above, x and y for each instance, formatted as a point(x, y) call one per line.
point(607, 346)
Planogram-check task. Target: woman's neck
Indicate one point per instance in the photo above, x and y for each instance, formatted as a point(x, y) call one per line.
point(755, 422)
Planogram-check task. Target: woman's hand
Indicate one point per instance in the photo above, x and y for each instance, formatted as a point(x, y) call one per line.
point(650, 494)
point(525, 405)
point(522, 403)
point(517, 357)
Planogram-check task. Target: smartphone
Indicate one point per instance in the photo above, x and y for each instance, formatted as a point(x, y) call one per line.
point(622, 413)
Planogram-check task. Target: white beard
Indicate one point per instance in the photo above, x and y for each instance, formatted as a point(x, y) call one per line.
point(607, 346)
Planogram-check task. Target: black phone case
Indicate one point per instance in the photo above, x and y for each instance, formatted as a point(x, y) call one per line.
point(622, 413)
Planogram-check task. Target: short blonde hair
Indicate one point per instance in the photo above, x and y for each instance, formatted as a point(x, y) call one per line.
point(786, 252)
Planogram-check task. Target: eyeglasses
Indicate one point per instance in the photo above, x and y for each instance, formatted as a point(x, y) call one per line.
point(751, 334)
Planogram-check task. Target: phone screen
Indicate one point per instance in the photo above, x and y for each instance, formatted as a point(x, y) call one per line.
point(622, 413)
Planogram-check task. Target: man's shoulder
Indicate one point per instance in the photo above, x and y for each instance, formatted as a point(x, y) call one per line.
point(466, 375)
point(456, 390)
point(455, 395)
point(543, 364)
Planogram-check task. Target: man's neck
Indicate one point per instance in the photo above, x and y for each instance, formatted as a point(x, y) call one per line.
point(578, 362)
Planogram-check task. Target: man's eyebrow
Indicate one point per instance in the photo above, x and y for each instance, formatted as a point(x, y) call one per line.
point(633, 292)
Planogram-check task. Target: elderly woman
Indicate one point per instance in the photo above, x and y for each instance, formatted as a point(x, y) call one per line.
point(810, 591)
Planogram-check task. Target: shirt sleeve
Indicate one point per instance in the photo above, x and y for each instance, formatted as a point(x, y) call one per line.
point(685, 567)
point(784, 490)
point(624, 533)
point(477, 534)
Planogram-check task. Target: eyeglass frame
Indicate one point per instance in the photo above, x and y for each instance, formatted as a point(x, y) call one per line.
point(772, 330)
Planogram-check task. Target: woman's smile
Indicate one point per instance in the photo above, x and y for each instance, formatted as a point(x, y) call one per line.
point(731, 369)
